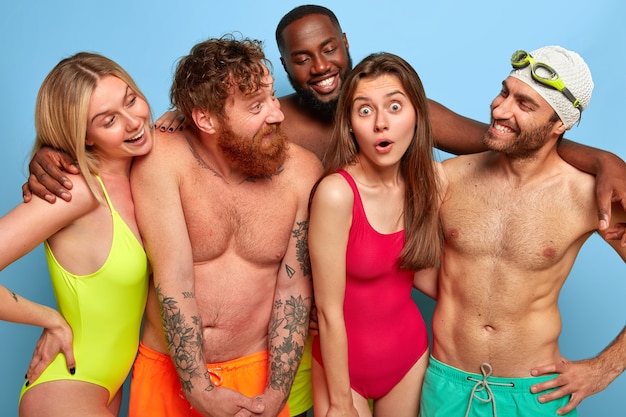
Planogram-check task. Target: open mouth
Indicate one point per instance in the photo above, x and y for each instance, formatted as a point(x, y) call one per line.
point(136, 138)
point(384, 146)
point(325, 86)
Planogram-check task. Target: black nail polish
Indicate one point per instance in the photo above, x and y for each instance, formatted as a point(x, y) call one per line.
point(72, 371)
point(27, 383)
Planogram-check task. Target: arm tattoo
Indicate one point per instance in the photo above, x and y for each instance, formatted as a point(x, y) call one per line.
point(182, 339)
point(13, 295)
point(290, 271)
point(302, 247)
point(285, 358)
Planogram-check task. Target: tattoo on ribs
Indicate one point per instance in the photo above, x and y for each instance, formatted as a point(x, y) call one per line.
point(302, 247)
point(285, 358)
point(183, 340)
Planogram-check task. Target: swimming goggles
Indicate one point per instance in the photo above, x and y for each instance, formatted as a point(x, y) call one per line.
point(544, 74)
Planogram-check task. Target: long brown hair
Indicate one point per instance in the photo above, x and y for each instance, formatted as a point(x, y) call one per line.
point(422, 230)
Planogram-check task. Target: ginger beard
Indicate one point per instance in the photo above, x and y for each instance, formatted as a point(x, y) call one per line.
point(258, 157)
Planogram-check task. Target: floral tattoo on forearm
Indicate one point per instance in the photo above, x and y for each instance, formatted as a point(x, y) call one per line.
point(285, 358)
point(182, 340)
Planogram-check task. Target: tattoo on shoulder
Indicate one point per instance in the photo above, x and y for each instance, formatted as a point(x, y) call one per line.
point(183, 340)
point(302, 247)
point(285, 358)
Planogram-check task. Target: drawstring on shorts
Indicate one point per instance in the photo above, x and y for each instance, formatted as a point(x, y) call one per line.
point(485, 385)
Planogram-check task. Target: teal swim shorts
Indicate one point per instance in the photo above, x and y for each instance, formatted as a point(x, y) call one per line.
point(450, 392)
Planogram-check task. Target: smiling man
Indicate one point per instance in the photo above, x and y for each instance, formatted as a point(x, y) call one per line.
point(514, 219)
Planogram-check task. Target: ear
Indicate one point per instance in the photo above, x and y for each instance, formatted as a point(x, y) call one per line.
point(204, 121)
point(559, 128)
point(88, 142)
point(345, 41)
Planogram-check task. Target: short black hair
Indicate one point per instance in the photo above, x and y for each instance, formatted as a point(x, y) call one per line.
point(298, 13)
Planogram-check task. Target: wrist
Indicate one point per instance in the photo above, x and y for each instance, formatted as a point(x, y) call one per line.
point(55, 321)
point(274, 399)
point(341, 400)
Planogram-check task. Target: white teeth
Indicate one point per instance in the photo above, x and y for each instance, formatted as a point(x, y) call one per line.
point(327, 82)
point(138, 136)
point(502, 129)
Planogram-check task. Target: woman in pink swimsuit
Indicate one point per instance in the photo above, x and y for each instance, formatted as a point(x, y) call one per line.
point(374, 223)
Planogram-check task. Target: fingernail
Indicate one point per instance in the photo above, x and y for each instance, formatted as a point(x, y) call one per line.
point(25, 376)
point(27, 383)
point(72, 371)
point(171, 129)
point(180, 128)
point(48, 198)
point(162, 128)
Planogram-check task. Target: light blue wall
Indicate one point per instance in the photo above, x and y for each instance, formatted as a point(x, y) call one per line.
point(460, 48)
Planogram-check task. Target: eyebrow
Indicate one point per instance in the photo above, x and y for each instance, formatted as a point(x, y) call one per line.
point(106, 111)
point(387, 95)
point(259, 91)
point(520, 96)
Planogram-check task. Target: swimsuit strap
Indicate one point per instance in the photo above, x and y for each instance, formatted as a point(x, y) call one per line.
point(106, 194)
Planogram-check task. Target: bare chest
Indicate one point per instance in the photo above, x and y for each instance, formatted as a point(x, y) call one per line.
point(531, 227)
point(252, 220)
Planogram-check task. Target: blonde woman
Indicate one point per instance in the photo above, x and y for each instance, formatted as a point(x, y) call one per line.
point(91, 108)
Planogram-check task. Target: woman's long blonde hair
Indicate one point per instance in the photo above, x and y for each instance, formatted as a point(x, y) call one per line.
point(62, 107)
point(422, 230)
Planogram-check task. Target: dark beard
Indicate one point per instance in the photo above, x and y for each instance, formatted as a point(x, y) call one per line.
point(324, 110)
point(254, 157)
point(525, 146)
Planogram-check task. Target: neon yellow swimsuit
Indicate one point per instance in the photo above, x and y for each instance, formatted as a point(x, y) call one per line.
point(104, 310)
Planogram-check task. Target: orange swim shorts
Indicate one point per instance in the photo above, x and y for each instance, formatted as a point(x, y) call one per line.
point(155, 390)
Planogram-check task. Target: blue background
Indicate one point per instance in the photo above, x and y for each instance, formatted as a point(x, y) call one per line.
point(460, 49)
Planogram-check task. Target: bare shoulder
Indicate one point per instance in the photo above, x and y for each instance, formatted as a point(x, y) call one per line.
point(167, 153)
point(442, 178)
point(580, 185)
point(460, 165)
point(82, 196)
point(303, 164)
point(333, 190)
point(83, 201)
